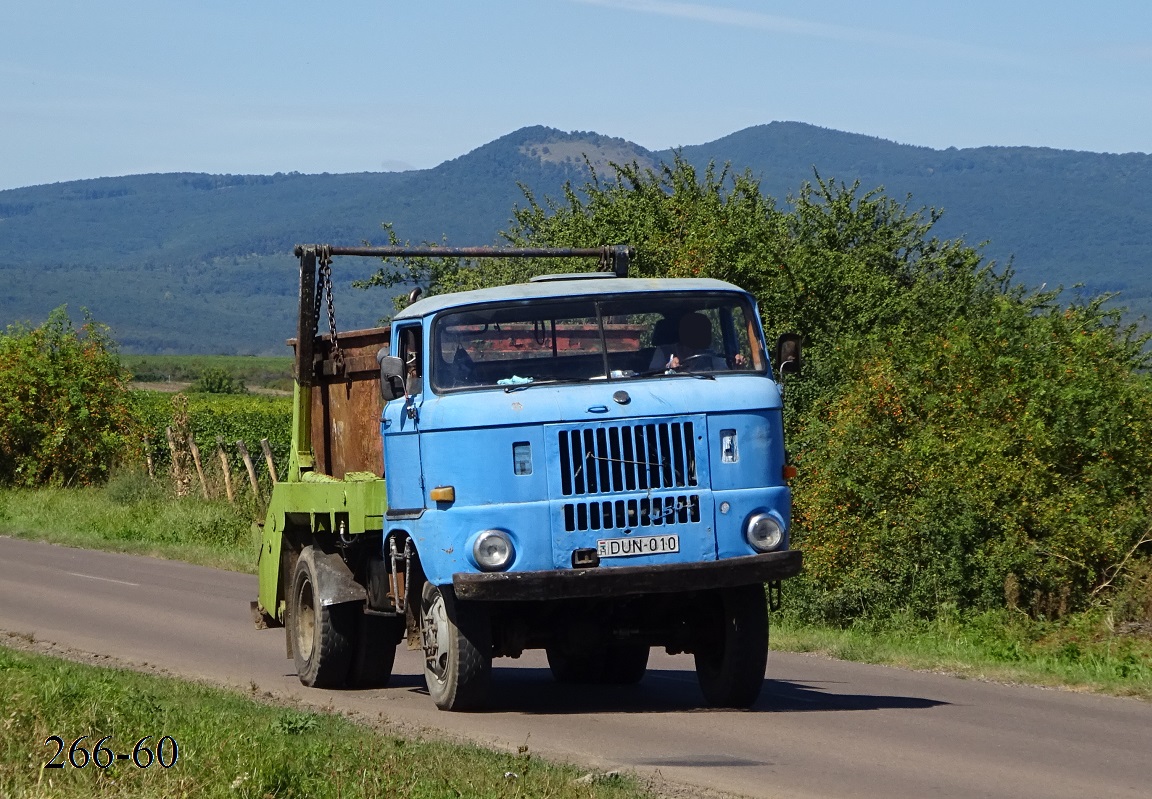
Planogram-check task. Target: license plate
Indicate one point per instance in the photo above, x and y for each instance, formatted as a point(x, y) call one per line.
point(643, 545)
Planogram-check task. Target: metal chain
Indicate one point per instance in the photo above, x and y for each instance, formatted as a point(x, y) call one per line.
point(324, 294)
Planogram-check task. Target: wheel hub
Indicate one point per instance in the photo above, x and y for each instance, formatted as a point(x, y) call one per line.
point(435, 637)
point(305, 618)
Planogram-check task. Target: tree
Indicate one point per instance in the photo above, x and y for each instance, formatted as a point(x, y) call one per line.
point(65, 412)
point(963, 442)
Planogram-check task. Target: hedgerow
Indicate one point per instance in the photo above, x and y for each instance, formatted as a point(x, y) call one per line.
point(1000, 461)
point(235, 417)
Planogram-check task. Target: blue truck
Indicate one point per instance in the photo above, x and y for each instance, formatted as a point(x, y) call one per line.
point(588, 464)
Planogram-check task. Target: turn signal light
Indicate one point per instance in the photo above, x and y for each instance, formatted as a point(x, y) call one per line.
point(443, 494)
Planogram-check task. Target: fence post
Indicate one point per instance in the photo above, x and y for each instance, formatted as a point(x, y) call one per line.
point(251, 469)
point(224, 467)
point(148, 458)
point(264, 445)
point(195, 450)
point(178, 475)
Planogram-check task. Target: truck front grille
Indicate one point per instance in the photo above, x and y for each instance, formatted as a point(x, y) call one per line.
point(611, 459)
point(628, 514)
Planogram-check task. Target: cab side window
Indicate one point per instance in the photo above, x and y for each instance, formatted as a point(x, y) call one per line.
point(410, 354)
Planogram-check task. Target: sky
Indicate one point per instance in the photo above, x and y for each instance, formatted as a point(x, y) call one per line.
point(126, 87)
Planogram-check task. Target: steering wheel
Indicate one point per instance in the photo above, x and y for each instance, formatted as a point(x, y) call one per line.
point(685, 361)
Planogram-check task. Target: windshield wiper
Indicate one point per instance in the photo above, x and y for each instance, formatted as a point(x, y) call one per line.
point(551, 381)
point(672, 372)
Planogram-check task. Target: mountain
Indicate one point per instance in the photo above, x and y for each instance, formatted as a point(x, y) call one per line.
point(190, 263)
point(186, 263)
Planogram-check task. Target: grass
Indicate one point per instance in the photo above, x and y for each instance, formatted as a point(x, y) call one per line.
point(231, 745)
point(137, 515)
point(1083, 652)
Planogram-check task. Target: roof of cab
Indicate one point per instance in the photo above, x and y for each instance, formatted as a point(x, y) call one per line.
point(565, 289)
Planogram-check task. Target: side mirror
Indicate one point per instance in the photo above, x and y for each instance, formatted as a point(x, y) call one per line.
point(788, 355)
point(391, 375)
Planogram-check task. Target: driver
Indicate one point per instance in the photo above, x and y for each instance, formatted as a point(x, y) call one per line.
point(692, 349)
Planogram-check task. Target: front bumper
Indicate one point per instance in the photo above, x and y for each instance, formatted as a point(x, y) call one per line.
point(627, 580)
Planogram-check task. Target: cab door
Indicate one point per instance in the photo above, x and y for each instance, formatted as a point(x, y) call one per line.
point(400, 426)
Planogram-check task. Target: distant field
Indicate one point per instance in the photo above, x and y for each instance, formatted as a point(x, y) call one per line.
point(254, 371)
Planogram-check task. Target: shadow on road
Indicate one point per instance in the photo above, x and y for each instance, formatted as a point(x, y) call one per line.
point(533, 690)
point(788, 697)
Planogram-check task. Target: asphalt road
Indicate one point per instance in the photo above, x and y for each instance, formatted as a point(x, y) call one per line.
point(821, 728)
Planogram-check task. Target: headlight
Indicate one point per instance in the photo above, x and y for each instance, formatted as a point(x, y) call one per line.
point(493, 550)
point(763, 532)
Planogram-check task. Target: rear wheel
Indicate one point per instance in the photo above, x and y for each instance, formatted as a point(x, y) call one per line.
point(322, 637)
point(457, 649)
point(571, 665)
point(733, 650)
point(375, 650)
point(611, 664)
point(625, 664)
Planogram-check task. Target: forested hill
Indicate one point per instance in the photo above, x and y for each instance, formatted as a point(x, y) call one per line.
point(202, 263)
point(1067, 217)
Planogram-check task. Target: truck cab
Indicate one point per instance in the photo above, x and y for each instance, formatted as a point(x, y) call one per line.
point(585, 464)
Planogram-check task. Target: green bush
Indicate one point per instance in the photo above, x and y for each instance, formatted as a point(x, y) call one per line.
point(65, 414)
point(218, 381)
point(247, 417)
point(998, 462)
point(1134, 601)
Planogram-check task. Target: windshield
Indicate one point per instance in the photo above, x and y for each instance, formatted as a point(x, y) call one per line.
point(615, 338)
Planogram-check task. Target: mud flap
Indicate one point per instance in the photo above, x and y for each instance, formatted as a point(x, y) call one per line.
point(335, 583)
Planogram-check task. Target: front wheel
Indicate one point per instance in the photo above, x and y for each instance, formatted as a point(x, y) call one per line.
point(733, 650)
point(457, 649)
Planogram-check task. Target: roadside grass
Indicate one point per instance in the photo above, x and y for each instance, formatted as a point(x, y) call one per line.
point(231, 745)
point(1083, 653)
point(134, 514)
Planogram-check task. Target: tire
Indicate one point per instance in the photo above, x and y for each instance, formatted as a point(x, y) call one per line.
point(457, 643)
point(614, 664)
point(322, 637)
point(575, 666)
point(375, 651)
point(733, 650)
point(625, 664)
